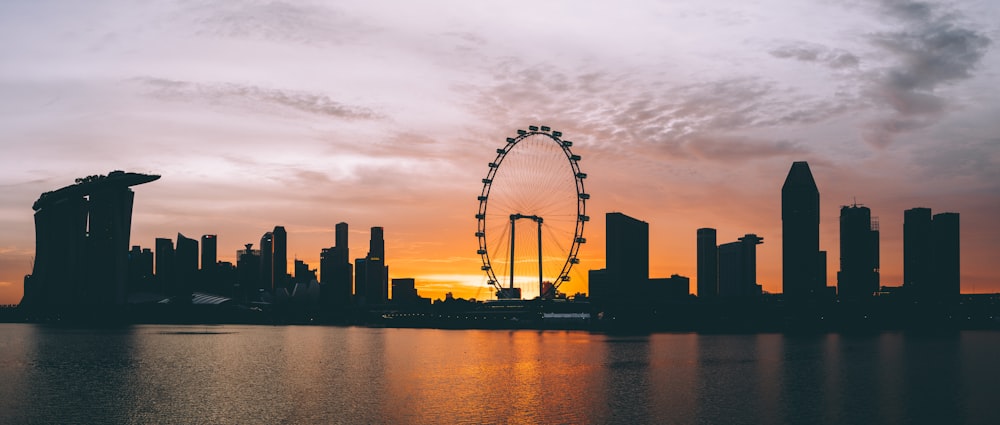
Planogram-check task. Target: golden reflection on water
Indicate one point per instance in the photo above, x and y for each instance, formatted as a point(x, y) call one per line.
point(293, 374)
point(487, 376)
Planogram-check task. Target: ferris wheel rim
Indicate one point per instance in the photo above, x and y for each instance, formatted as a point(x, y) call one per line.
point(581, 203)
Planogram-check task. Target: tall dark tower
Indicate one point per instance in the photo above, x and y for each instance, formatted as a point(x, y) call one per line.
point(859, 257)
point(186, 267)
point(280, 258)
point(708, 263)
point(931, 255)
point(140, 269)
point(248, 272)
point(209, 252)
point(376, 272)
point(267, 261)
point(340, 241)
point(803, 265)
point(627, 265)
point(917, 246)
point(946, 251)
point(336, 271)
point(108, 244)
point(164, 276)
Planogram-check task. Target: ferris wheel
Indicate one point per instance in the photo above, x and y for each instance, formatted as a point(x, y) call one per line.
point(532, 210)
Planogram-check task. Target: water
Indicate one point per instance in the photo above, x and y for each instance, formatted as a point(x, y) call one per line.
point(295, 374)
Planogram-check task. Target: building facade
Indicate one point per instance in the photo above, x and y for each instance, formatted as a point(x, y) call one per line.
point(858, 277)
point(803, 265)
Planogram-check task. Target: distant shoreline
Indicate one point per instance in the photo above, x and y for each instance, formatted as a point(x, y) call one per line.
point(765, 315)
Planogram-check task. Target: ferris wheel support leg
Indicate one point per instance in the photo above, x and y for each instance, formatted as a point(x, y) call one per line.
point(539, 257)
point(513, 219)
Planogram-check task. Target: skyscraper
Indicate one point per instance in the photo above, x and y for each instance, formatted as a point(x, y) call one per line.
point(931, 254)
point(626, 274)
point(164, 253)
point(109, 226)
point(738, 267)
point(140, 269)
point(280, 258)
point(336, 271)
point(708, 263)
point(803, 265)
point(248, 272)
point(859, 257)
point(209, 252)
point(917, 249)
point(946, 252)
point(267, 261)
point(372, 275)
point(186, 267)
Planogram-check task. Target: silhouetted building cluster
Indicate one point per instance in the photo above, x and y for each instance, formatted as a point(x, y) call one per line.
point(729, 270)
point(625, 279)
point(82, 244)
point(261, 275)
point(83, 262)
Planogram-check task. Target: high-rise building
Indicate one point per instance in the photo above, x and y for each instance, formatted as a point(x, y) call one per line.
point(248, 272)
point(209, 252)
point(108, 229)
point(267, 261)
point(336, 271)
point(917, 249)
point(303, 274)
point(708, 263)
point(140, 269)
point(186, 267)
point(134, 272)
point(803, 264)
point(625, 277)
point(859, 253)
point(280, 258)
point(164, 253)
point(946, 252)
point(340, 242)
point(931, 254)
point(372, 275)
point(738, 267)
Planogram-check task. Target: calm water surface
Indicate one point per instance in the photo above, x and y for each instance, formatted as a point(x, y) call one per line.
point(261, 374)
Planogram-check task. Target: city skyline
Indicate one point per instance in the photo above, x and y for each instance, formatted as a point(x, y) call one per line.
point(686, 116)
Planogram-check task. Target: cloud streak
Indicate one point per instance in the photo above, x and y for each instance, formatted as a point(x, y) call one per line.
point(808, 52)
point(255, 98)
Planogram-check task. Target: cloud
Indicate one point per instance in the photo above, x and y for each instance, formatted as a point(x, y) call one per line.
point(276, 21)
point(254, 98)
point(806, 52)
point(931, 49)
point(620, 114)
